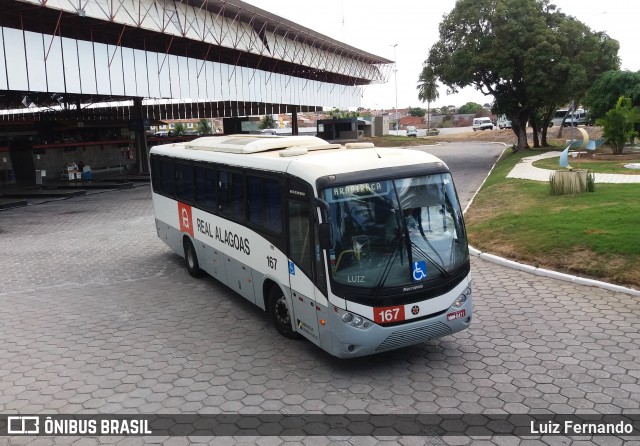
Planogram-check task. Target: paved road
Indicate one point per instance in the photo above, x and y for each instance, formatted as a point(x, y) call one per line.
point(99, 316)
point(469, 164)
point(443, 131)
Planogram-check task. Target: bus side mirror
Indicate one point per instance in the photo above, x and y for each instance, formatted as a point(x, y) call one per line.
point(324, 229)
point(324, 234)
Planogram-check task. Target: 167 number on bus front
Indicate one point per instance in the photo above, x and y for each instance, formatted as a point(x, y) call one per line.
point(385, 315)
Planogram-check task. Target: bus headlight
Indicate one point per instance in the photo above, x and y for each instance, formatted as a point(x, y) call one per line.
point(466, 294)
point(352, 320)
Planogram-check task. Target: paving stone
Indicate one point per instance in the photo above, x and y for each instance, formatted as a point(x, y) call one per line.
point(116, 324)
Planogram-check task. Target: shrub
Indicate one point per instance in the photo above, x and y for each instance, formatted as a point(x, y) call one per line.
point(267, 122)
point(618, 124)
point(179, 129)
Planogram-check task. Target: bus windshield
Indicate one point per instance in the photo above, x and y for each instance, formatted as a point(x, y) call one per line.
point(393, 233)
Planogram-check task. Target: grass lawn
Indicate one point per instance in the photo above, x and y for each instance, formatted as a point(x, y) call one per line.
point(595, 165)
point(399, 141)
point(592, 234)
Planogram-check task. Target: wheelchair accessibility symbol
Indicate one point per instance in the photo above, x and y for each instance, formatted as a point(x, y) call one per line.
point(419, 270)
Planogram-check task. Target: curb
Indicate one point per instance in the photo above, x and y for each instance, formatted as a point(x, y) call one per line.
point(542, 272)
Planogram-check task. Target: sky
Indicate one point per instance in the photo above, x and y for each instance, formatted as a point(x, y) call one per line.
point(375, 26)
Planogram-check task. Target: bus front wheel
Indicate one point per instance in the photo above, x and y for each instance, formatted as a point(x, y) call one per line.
point(191, 259)
point(280, 314)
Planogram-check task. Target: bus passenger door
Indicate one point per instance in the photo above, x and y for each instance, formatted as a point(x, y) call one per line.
point(301, 251)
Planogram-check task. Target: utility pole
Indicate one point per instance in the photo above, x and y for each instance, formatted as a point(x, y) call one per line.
point(395, 77)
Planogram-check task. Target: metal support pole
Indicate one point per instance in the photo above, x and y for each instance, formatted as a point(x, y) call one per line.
point(294, 120)
point(142, 154)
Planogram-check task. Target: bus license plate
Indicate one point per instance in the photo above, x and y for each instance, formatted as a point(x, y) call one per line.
point(456, 315)
point(385, 315)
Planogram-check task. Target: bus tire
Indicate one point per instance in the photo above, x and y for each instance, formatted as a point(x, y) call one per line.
point(280, 313)
point(191, 259)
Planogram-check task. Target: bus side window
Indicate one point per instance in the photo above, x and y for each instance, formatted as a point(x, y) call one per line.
point(300, 247)
point(184, 182)
point(265, 203)
point(304, 244)
point(155, 174)
point(231, 194)
point(168, 177)
point(205, 180)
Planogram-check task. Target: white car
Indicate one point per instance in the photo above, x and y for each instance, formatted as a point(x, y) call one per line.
point(412, 131)
point(504, 122)
point(482, 124)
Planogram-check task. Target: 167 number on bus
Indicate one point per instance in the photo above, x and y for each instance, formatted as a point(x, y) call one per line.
point(388, 314)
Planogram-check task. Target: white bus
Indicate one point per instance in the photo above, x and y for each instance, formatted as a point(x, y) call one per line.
point(358, 249)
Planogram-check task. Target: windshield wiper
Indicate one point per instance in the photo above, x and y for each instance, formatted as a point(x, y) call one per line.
point(443, 271)
point(387, 267)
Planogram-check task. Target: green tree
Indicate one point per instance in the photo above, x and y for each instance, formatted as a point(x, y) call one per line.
point(509, 48)
point(267, 122)
point(204, 127)
point(444, 110)
point(579, 57)
point(342, 114)
point(470, 108)
point(618, 124)
point(428, 89)
point(417, 111)
point(605, 91)
point(179, 129)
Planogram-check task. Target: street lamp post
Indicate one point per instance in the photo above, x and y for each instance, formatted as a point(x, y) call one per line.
point(395, 79)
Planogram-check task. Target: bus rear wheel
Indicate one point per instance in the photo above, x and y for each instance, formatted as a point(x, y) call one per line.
point(191, 259)
point(280, 314)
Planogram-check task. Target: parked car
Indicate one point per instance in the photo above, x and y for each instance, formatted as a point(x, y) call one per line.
point(482, 124)
point(412, 131)
point(433, 132)
point(578, 117)
point(503, 122)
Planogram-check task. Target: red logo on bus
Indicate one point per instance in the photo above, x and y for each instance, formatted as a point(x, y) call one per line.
point(184, 216)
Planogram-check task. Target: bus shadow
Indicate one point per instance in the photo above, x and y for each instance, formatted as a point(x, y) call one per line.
point(255, 321)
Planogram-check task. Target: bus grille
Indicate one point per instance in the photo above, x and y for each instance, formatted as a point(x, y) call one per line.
point(401, 338)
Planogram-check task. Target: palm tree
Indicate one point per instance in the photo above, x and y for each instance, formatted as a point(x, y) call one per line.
point(179, 129)
point(204, 127)
point(428, 90)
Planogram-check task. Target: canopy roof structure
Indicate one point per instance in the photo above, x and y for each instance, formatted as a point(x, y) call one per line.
point(227, 57)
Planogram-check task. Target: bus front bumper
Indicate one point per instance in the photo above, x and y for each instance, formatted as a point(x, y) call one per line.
point(351, 342)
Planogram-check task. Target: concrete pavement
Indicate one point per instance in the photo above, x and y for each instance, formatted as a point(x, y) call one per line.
point(525, 170)
point(99, 316)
